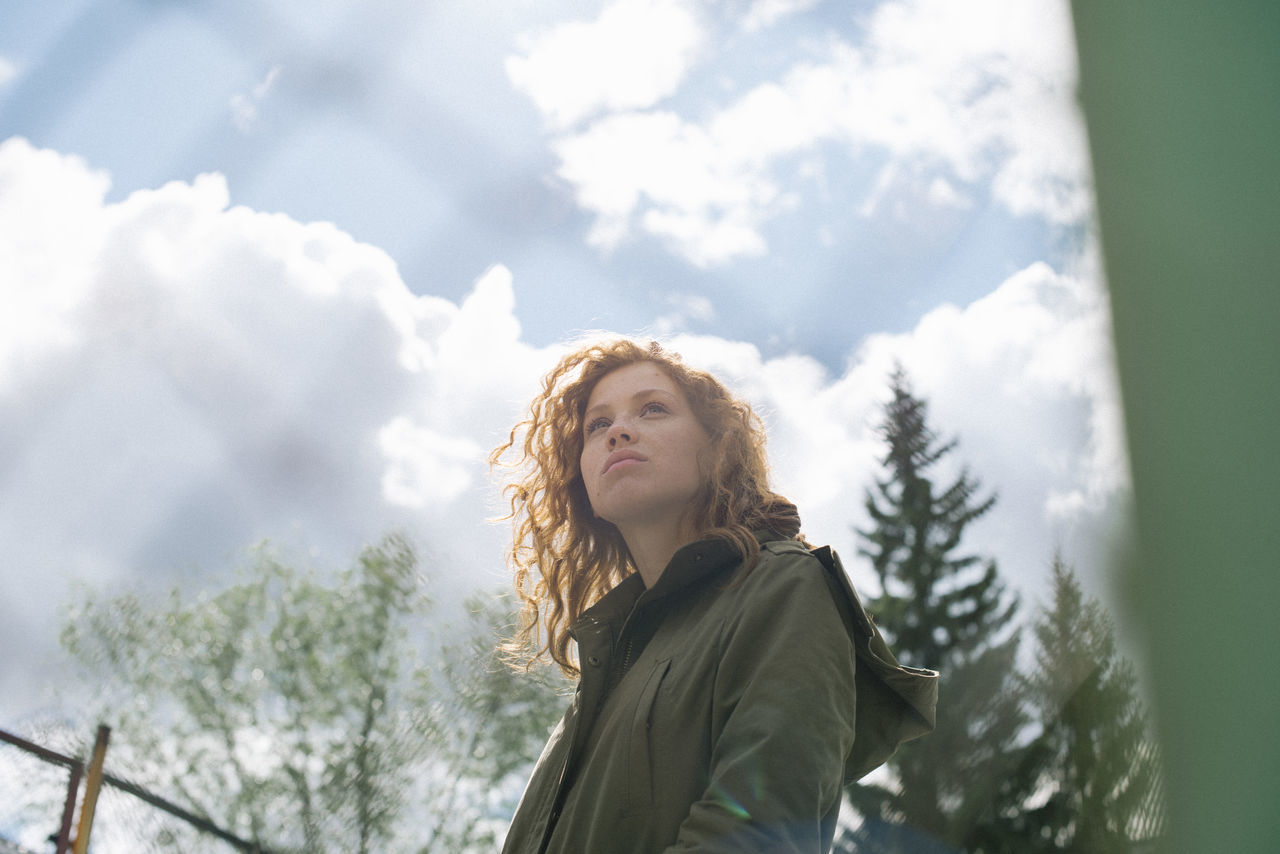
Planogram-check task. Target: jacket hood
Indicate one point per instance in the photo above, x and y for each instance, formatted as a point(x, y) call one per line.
point(895, 703)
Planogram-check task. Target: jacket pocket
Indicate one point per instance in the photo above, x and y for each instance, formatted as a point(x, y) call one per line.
point(640, 746)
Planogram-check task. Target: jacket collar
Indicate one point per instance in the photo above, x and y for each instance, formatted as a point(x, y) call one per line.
point(690, 564)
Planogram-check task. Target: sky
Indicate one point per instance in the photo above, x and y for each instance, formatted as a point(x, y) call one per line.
point(289, 271)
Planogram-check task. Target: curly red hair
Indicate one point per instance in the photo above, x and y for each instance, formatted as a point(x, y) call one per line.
point(564, 558)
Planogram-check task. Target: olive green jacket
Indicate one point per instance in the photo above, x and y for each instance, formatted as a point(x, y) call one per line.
point(716, 711)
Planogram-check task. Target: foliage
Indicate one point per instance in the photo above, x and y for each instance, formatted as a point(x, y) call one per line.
point(278, 707)
point(1090, 781)
point(494, 721)
point(948, 606)
point(944, 610)
point(1058, 759)
point(298, 711)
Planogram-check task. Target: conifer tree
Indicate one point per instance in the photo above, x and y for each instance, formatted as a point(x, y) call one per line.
point(1090, 782)
point(948, 610)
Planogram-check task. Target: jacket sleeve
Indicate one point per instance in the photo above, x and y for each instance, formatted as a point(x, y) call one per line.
point(783, 717)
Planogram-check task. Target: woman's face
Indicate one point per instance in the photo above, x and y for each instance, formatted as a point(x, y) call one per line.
point(643, 449)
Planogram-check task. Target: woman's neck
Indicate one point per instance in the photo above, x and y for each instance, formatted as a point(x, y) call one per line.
point(651, 549)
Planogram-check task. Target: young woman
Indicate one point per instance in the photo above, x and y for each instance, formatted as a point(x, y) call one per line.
point(729, 684)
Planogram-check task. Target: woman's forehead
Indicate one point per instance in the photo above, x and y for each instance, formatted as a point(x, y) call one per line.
point(626, 382)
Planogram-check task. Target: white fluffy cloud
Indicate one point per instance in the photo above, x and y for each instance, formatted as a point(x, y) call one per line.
point(1025, 378)
point(180, 377)
point(1022, 377)
point(947, 96)
point(633, 55)
point(685, 186)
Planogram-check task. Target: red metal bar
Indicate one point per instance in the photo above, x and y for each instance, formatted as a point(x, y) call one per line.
point(43, 752)
point(69, 809)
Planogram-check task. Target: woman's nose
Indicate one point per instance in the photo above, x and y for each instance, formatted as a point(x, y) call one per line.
point(620, 434)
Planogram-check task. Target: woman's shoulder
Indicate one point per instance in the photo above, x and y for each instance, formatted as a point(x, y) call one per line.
point(784, 563)
point(785, 546)
point(787, 556)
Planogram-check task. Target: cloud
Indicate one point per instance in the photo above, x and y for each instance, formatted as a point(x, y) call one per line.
point(8, 71)
point(245, 107)
point(1023, 377)
point(1029, 364)
point(181, 377)
point(677, 176)
point(951, 100)
point(765, 13)
point(683, 309)
point(632, 56)
point(46, 252)
point(986, 90)
point(424, 466)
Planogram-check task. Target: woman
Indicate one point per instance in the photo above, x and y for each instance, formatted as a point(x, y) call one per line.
point(719, 660)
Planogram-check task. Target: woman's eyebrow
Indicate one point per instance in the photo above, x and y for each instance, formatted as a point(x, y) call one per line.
point(642, 393)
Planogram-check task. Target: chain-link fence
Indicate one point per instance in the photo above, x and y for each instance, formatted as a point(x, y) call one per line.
point(50, 801)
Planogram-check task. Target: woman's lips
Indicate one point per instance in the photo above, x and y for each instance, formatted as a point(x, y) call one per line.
point(621, 459)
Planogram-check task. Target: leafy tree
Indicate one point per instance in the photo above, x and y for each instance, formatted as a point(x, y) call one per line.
point(494, 721)
point(943, 609)
point(297, 710)
point(282, 708)
point(1090, 782)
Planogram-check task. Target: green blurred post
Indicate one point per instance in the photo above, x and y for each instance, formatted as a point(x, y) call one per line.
point(1182, 99)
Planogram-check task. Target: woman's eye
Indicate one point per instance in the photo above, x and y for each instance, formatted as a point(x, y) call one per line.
point(652, 407)
point(598, 424)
